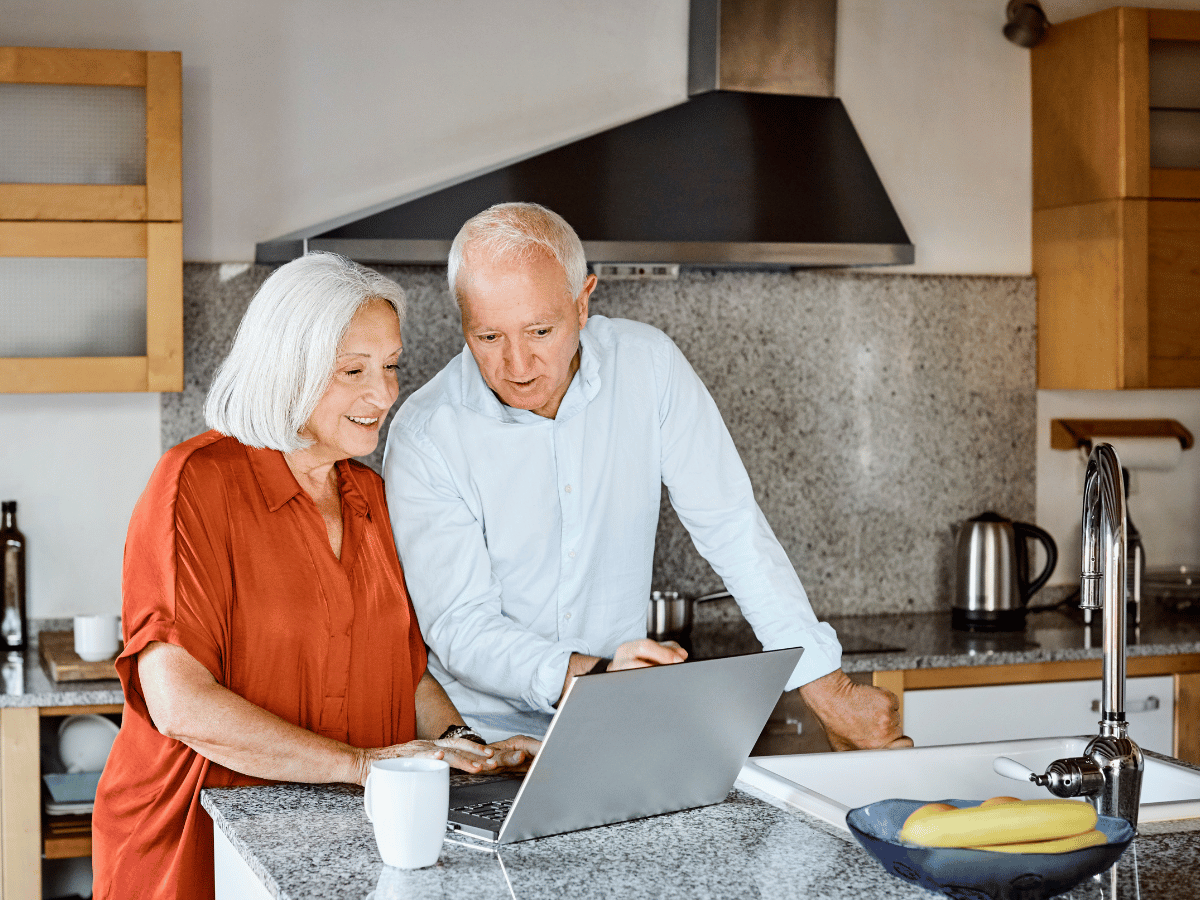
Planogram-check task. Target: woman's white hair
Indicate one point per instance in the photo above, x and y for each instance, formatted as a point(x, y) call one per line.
point(515, 231)
point(285, 349)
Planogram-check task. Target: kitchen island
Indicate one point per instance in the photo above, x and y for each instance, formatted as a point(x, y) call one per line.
point(313, 842)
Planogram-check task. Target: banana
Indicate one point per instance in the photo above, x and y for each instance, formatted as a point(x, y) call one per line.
point(929, 808)
point(1005, 823)
point(995, 801)
point(1062, 845)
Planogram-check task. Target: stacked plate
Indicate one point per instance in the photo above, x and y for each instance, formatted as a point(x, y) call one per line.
point(71, 794)
point(83, 746)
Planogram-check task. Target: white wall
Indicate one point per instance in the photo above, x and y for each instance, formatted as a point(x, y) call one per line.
point(75, 464)
point(298, 112)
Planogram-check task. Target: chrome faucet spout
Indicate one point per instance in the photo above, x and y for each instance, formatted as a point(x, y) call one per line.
point(1103, 577)
point(1109, 773)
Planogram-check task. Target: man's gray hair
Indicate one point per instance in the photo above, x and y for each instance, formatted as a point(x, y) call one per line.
point(285, 349)
point(516, 231)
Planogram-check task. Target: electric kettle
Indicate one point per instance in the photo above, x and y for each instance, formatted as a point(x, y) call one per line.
point(991, 573)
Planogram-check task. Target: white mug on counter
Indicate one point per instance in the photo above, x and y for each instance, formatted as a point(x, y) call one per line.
point(97, 637)
point(407, 801)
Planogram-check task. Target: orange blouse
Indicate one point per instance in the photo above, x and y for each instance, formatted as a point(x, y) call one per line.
point(229, 559)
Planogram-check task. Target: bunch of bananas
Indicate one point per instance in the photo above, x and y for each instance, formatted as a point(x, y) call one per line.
point(1006, 825)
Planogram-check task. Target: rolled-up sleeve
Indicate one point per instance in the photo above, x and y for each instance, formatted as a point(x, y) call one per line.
point(443, 548)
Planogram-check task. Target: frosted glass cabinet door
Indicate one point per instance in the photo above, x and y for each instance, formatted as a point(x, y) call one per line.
point(1051, 709)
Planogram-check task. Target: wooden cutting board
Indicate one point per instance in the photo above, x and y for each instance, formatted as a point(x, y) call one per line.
point(58, 650)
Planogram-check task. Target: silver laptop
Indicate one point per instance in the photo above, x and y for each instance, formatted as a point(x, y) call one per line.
point(629, 744)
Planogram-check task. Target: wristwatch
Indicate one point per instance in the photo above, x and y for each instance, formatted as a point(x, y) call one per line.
point(462, 731)
point(601, 666)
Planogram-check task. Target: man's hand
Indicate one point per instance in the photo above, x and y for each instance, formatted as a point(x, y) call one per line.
point(515, 753)
point(855, 716)
point(630, 655)
point(645, 652)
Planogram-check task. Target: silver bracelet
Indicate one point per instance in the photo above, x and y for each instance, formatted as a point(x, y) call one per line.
point(462, 731)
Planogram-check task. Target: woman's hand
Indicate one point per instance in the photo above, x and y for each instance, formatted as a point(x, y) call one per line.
point(458, 752)
point(512, 753)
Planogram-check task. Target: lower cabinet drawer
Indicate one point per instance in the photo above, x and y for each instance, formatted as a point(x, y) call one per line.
point(1048, 709)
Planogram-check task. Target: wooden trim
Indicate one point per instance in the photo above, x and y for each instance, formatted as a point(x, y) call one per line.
point(1175, 184)
point(1174, 373)
point(21, 809)
point(164, 307)
point(1024, 673)
point(95, 709)
point(1174, 25)
point(69, 375)
point(79, 202)
point(1187, 717)
point(164, 137)
point(1133, 102)
point(1133, 311)
point(125, 240)
point(57, 65)
point(893, 681)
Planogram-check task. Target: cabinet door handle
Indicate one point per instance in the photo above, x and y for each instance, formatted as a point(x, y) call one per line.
point(1138, 706)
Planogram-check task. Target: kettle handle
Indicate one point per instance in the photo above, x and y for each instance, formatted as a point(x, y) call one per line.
point(1023, 531)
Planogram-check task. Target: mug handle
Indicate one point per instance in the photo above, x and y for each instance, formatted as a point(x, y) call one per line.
point(367, 797)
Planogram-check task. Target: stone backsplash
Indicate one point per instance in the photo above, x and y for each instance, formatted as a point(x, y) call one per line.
point(874, 412)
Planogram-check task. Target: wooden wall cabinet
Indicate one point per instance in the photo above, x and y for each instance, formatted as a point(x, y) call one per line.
point(142, 221)
point(1116, 241)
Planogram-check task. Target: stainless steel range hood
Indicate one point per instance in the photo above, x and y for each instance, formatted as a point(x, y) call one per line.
point(745, 173)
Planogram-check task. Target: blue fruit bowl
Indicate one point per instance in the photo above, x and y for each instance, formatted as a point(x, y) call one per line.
point(980, 874)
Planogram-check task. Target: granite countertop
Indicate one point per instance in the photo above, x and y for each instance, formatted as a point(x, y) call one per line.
point(26, 682)
point(927, 640)
point(313, 842)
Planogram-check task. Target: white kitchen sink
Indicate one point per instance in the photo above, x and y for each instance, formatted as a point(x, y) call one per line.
point(828, 785)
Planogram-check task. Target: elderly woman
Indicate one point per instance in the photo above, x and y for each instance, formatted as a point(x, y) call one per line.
point(268, 632)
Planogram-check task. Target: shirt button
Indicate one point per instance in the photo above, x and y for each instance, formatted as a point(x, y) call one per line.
point(571, 554)
point(567, 489)
point(567, 616)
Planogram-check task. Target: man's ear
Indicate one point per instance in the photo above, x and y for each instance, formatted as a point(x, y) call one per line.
point(581, 302)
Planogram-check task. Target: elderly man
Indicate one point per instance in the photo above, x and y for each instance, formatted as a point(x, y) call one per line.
point(524, 483)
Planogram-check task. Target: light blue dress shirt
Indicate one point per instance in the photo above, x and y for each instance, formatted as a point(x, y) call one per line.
point(526, 539)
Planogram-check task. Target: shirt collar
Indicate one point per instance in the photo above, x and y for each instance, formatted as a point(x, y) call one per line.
point(279, 485)
point(477, 396)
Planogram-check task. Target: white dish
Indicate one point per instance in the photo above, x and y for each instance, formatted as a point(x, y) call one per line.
point(84, 742)
point(69, 809)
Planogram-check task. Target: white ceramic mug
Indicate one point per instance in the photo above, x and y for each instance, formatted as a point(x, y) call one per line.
point(407, 801)
point(97, 637)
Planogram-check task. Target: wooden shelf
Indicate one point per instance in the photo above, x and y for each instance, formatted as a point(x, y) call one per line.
point(106, 220)
point(66, 837)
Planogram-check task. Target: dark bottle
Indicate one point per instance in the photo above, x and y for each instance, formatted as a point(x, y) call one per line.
point(15, 625)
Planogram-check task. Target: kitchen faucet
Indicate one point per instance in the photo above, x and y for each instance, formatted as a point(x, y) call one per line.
point(1109, 773)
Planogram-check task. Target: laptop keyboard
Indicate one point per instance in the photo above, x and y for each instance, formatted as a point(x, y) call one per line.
point(493, 810)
